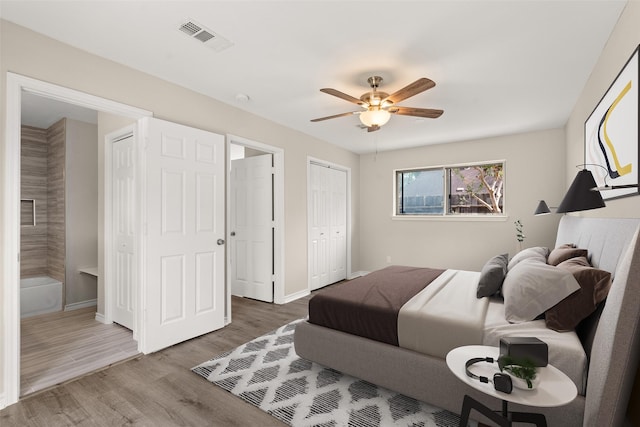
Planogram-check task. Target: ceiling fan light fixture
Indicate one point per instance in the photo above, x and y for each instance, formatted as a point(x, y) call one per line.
point(374, 117)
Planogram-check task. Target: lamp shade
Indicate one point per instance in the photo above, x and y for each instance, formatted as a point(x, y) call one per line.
point(581, 196)
point(374, 117)
point(542, 208)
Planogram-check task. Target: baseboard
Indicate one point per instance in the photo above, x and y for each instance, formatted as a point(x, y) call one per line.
point(3, 401)
point(357, 274)
point(292, 297)
point(100, 318)
point(81, 304)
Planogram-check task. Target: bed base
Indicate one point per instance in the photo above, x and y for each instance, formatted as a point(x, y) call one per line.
point(413, 374)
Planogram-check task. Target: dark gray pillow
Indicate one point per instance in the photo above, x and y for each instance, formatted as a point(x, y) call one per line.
point(492, 276)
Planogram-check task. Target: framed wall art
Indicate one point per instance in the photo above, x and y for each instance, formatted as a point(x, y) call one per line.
point(611, 134)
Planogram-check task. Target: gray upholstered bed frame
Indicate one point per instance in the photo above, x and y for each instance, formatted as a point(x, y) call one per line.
point(613, 245)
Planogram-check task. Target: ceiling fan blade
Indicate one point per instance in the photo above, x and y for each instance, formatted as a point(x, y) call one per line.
point(335, 116)
point(373, 128)
point(343, 95)
point(429, 113)
point(414, 88)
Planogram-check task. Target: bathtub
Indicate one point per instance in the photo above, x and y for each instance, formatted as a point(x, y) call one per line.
point(39, 295)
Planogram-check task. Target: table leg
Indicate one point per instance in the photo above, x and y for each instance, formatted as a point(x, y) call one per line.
point(504, 419)
point(526, 417)
point(470, 403)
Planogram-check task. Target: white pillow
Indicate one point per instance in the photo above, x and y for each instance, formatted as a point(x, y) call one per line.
point(538, 252)
point(532, 287)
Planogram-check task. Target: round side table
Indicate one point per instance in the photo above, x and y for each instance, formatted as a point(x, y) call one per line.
point(554, 389)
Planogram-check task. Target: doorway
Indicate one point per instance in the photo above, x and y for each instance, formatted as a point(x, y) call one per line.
point(16, 86)
point(266, 164)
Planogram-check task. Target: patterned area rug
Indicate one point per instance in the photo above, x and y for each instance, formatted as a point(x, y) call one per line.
point(267, 373)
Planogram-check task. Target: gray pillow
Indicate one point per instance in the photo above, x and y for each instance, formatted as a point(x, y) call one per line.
point(492, 276)
point(532, 287)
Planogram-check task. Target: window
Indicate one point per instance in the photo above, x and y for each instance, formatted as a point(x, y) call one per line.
point(476, 189)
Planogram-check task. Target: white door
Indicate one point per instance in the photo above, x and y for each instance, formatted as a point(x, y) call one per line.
point(183, 289)
point(251, 226)
point(337, 208)
point(123, 216)
point(319, 226)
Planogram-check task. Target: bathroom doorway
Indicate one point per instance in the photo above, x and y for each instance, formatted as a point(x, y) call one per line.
point(60, 336)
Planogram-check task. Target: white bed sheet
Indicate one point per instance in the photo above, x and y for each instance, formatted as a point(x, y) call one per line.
point(444, 315)
point(447, 314)
point(565, 349)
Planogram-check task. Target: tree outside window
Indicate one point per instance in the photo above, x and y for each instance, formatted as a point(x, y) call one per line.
point(476, 189)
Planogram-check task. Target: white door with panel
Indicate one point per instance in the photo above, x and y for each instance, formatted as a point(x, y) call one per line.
point(184, 294)
point(337, 225)
point(327, 225)
point(251, 225)
point(123, 226)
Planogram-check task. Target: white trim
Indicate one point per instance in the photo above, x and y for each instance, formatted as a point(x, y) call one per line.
point(11, 196)
point(347, 170)
point(451, 217)
point(100, 318)
point(81, 304)
point(297, 295)
point(357, 274)
point(278, 208)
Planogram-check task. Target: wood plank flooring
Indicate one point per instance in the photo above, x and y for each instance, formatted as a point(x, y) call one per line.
point(159, 389)
point(60, 346)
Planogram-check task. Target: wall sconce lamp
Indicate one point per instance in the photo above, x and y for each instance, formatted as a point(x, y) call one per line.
point(583, 194)
point(542, 208)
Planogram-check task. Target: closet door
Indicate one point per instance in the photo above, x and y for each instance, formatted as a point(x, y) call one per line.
point(327, 225)
point(124, 233)
point(337, 225)
point(318, 227)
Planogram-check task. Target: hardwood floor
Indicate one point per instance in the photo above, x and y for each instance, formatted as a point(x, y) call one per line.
point(159, 389)
point(60, 346)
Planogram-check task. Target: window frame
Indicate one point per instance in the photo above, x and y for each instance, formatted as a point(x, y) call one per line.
point(446, 215)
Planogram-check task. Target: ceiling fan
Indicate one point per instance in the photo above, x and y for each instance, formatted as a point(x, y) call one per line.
point(378, 106)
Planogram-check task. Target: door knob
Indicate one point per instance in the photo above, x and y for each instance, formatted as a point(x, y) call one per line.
point(220, 242)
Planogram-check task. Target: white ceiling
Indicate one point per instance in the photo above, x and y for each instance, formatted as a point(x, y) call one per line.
point(500, 67)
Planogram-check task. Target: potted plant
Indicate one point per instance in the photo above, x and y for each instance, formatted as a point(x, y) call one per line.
point(522, 371)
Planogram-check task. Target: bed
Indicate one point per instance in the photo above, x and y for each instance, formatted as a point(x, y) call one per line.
point(602, 359)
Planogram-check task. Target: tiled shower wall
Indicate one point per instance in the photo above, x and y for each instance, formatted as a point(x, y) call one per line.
point(42, 156)
point(56, 136)
point(33, 178)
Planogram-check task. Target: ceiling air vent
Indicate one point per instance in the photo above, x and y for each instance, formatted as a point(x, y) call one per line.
point(206, 36)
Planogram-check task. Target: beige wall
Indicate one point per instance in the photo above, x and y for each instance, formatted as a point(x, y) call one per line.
point(81, 207)
point(534, 167)
point(30, 54)
point(624, 39)
point(620, 46)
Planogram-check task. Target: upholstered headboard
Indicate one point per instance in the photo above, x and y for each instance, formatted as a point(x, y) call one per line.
point(613, 245)
point(605, 238)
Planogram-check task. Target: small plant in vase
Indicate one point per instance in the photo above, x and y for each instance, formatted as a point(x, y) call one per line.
point(523, 369)
point(519, 234)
